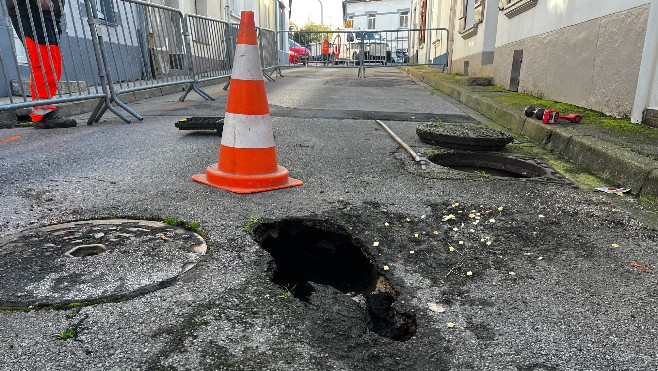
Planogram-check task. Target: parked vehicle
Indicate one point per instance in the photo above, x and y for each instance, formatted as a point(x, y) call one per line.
point(298, 53)
point(400, 56)
point(376, 49)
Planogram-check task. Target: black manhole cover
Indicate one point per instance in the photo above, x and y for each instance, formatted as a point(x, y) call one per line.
point(312, 255)
point(466, 136)
point(489, 164)
point(93, 261)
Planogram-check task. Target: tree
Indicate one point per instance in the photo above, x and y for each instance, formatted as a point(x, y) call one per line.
point(318, 33)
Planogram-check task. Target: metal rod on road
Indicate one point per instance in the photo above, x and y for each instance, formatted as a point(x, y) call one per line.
point(402, 144)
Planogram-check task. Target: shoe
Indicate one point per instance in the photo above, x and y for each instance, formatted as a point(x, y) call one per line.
point(53, 120)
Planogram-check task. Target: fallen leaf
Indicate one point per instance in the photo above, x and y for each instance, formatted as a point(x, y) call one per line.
point(614, 245)
point(452, 249)
point(512, 274)
point(540, 216)
point(469, 273)
point(500, 209)
point(471, 216)
point(386, 224)
point(422, 216)
point(461, 242)
point(488, 243)
point(375, 244)
point(489, 212)
point(449, 217)
point(455, 204)
point(436, 308)
point(386, 267)
point(436, 232)
point(416, 235)
point(451, 324)
point(639, 266)
point(455, 229)
point(411, 252)
point(492, 220)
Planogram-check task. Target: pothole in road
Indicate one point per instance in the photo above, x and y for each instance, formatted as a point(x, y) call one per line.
point(93, 261)
point(306, 253)
point(489, 164)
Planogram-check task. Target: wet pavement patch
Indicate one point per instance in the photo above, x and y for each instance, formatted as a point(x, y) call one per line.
point(490, 164)
point(308, 254)
point(93, 261)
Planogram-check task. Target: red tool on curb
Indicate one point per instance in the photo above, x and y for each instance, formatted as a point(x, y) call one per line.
point(549, 116)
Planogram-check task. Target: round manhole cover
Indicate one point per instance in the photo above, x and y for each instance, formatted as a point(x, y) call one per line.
point(463, 136)
point(92, 261)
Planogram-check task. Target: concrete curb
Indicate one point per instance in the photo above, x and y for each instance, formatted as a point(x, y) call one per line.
point(605, 159)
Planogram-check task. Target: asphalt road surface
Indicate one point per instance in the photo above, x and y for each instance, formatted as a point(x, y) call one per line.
point(372, 264)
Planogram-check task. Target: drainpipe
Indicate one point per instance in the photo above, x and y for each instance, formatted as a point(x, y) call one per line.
point(647, 84)
point(451, 36)
point(428, 26)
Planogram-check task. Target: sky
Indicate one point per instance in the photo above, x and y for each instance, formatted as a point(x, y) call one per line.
point(309, 10)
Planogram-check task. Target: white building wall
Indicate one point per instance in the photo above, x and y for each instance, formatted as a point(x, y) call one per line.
point(387, 18)
point(551, 15)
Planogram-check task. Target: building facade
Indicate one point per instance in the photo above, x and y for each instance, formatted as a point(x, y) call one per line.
point(598, 54)
point(383, 15)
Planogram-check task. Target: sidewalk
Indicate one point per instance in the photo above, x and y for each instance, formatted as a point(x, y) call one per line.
point(626, 154)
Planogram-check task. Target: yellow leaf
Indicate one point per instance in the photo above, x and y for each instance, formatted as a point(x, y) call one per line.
point(615, 245)
point(452, 249)
point(386, 224)
point(436, 232)
point(469, 273)
point(375, 244)
point(451, 324)
point(386, 267)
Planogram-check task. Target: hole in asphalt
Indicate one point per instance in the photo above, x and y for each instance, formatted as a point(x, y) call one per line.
point(86, 250)
point(489, 164)
point(304, 254)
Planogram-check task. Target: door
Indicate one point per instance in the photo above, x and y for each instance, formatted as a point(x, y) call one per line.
point(517, 60)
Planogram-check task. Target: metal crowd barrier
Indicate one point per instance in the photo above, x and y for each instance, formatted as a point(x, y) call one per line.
point(358, 48)
point(150, 50)
point(115, 47)
point(81, 77)
point(212, 44)
point(268, 53)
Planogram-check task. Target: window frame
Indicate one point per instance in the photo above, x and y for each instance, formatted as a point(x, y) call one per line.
point(101, 11)
point(405, 14)
point(373, 17)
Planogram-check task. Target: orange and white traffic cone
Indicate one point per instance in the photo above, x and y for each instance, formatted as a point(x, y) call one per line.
point(247, 154)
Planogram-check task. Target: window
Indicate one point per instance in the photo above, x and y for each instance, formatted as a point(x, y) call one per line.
point(371, 21)
point(469, 13)
point(105, 10)
point(404, 19)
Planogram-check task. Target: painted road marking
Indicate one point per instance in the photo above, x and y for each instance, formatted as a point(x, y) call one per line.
point(15, 137)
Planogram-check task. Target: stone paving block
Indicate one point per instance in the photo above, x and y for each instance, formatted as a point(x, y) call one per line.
point(650, 187)
point(537, 131)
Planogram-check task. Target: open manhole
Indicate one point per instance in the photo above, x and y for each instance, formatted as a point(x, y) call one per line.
point(466, 136)
point(310, 255)
point(93, 261)
point(489, 164)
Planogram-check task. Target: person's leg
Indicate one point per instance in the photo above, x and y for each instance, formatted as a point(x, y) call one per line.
point(45, 75)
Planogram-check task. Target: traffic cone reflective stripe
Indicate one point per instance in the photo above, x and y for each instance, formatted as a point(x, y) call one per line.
point(247, 154)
